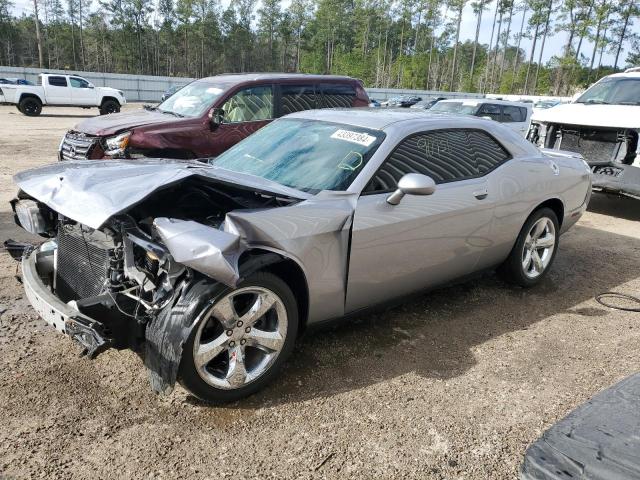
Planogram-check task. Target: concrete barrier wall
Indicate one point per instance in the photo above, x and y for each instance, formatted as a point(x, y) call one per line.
point(147, 88)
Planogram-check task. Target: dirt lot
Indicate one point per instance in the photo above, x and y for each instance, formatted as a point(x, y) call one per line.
point(454, 384)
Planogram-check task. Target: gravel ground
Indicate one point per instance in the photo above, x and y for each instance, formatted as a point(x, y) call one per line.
point(453, 384)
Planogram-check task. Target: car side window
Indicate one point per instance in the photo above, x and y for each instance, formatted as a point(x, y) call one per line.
point(78, 82)
point(295, 98)
point(490, 110)
point(58, 81)
point(334, 95)
point(514, 114)
point(249, 105)
point(444, 155)
point(489, 153)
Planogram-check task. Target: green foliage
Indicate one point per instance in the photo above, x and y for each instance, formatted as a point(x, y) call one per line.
point(386, 43)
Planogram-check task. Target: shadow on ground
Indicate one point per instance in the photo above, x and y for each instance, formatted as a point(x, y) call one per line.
point(615, 206)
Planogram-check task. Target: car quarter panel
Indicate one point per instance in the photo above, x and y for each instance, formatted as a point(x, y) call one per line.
point(315, 234)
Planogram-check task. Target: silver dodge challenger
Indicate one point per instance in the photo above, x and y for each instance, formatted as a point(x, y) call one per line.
point(211, 270)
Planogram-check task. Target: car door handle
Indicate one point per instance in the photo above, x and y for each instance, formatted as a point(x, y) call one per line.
point(481, 194)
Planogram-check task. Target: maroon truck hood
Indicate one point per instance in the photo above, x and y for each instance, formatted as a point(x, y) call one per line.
point(118, 122)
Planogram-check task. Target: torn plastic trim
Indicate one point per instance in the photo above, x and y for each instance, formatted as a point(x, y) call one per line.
point(205, 249)
point(167, 333)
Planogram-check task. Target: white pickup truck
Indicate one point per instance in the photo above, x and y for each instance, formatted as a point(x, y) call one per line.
point(61, 91)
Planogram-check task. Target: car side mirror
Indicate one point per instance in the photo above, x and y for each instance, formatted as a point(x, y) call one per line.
point(216, 117)
point(486, 117)
point(412, 184)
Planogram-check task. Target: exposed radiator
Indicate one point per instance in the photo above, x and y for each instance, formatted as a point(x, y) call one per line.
point(82, 265)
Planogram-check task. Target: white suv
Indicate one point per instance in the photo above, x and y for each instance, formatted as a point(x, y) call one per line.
point(602, 125)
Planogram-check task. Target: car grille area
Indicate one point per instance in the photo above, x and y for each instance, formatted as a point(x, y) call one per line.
point(83, 263)
point(77, 146)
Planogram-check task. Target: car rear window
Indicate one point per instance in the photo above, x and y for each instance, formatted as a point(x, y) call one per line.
point(296, 98)
point(58, 81)
point(514, 114)
point(335, 96)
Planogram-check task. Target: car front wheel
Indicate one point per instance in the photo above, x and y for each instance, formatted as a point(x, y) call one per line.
point(241, 341)
point(534, 251)
point(109, 106)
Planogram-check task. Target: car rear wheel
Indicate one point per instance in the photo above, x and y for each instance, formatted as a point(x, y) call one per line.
point(109, 106)
point(534, 251)
point(30, 106)
point(241, 341)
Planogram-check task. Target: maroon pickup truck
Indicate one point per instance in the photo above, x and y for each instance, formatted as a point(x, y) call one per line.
point(206, 117)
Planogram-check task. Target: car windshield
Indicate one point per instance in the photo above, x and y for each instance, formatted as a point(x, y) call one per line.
point(613, 91)
point(464, 108)
point(192, 100)
point(307, 155)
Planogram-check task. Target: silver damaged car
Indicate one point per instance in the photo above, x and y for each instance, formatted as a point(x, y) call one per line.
point(210, 270)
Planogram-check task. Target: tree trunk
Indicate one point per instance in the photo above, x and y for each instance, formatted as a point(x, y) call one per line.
point(584, 30)
point(82, 57)
point(544, 39)
point(505, 46)
point(493, 28)
point(623, 34)
point(38, 37)
point(475, 43)
point(516, 60)
point(455, 47)
point(533, 49)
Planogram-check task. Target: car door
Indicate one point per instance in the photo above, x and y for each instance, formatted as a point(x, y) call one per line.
point(57, 91)
point(424, 240)
point(246, 111)
point(82, 92)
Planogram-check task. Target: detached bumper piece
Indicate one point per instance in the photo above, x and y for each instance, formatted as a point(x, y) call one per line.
point(617, 178)
point(597, 441)
point(89, 333)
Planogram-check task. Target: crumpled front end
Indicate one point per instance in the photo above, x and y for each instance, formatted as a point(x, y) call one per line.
point(123, 253)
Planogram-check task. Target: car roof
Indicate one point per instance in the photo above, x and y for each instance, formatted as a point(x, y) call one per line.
point(624, 75)
point(252, 77)
point(376, 118)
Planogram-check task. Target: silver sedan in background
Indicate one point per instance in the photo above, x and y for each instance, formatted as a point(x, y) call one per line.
point(212, 269)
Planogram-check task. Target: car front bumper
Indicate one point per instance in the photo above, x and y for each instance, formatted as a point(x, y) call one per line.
point(86, 331)
point(617, 178)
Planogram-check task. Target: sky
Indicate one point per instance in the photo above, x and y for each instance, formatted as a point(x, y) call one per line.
point(553, 46)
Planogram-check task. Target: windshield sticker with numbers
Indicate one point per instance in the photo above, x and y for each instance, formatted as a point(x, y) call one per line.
point(354, 137)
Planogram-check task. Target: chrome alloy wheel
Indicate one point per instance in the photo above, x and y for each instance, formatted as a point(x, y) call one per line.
point(240, 337)
point(538, 247)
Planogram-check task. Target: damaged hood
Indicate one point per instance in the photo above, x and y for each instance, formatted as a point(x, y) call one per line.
point(93, 192)
point(118, 122)
point(608, 116)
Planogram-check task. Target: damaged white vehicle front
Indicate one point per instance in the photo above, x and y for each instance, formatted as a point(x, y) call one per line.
point(602, 125)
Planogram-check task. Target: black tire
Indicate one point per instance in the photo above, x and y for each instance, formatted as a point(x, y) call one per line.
point(188, 374)
point(513, 270)
point(30, 106)
point(109, 106)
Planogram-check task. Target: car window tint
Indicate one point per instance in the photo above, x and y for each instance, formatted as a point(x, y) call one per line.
point(296, 98)
point(78, 83)
point(58, 81)
point(337, 95)
point(490, 110)
point(514, 114)
point(443, 155)
point(488, 152)
point(249, 105)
